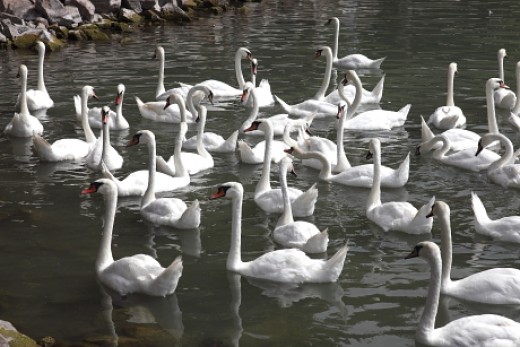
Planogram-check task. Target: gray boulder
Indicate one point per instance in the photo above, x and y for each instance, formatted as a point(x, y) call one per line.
point(134, 5)
point(16, 7)
point(107, 6)
point(55, 12)
point(85, 7)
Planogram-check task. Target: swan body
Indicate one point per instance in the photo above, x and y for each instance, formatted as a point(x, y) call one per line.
point(448, 116)
point(504, 229)
point(285, 265)
point(352, 61)
point(23, 124)
point(464, 159)
point(486, 330)
point(161, 94)
point(373, 119)
point(102, 150)
point(264, 95)
point(116, 122)
point(394, 215)
point(296, 234)
point(504, 98)
point(139, 273)
point(161, 111)
point(222, 90)
point(502, 171)
point(38, 99)
point(164, 211)
point(255, 155)
point(271, 200)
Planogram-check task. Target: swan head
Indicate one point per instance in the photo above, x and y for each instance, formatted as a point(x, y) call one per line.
point(22, 71)
point(296, 151)
point(142, 136)
point(105, 114)
point(374, 147)
point(40, 46)
point(501, 54)
point(120, 92)
point(426, 250)
point(453, 68)
point(489, 138)
point(88, 91)
point(174, 99)
point(245, 53)
point(229, 190)
point(350, 77)
point(286, 165)
point(439, 208)
point(159, 52)
point(495, 83)
point(334, 20)
point(322, 50)
point(254, 66)
point(261, 124)
point(102, 185)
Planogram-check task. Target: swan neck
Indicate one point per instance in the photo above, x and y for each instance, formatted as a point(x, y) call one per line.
point(427, 322)
point(105, 142)
point(234, 257)
point(189, 100)
point(289, 141)
point(374, 197)
point(446, 247)
point(506, 157)
point(326, 77)
point(105, 257)
point(287, 215)
point(357, 97)
point(149, 194)
point(265, 182)
point(490, 107)
point(336, 38)
point(238, 69)
point(326, 168)
point(449, 97)
point(180, 169)
point(160, 83)
point(516, 109)
point(253, 114)
point(440, 153)
point(24, 109)
point(89, 134)
point(501, 67)
point(342, 162)
point(41, 83)
point(201, 150)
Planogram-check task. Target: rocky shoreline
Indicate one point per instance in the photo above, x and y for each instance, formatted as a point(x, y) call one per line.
point(56, 22)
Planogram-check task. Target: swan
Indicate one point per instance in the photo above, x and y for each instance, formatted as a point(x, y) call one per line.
point(68, 149)
point(300, 234)
point(164, 111)
point(264, 95)
point(161, 94)
point(139, 273)
point(271, 200)
point(373, 119)
point(284, 265)
point(486, 330)
point(23, 124)
point(102, 150)
point(262, 150)
point(464, 159)
point(503, 229)
point(136, 183)
point(223, 90)
point(193, 162)
point(493, 286)
point(38, 99)
point(448, 116)
point(213, 142)
point(349, 93)
point(117, 120)
point(514, 118)
point(504, 98)
point(394, 215)
point(316, 105)
point(461, 138)
point(164, 211)
point(351, 61)
point(360, 175)
point(502, 171)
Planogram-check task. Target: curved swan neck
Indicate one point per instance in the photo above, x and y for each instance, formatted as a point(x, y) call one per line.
point(490, 107)
point(238, 68)
point(180, 169)
point(105, 141)
point(253, 114)
point(439, 153)
point(451, 77)
point(24, 109)
point(508, 153)
point(41, 57)
point(357, 97)
point(287, 215)
point(234, 258)
point(427, 322)
point(119, 107)
point(326, 77)
point(374, 197)
point(326, 169)
point(159, 51)
point(516, 109)
point(446, 251)
point(201, 150)
point(149, 194)
point(190, 96)
point(89, 134)
point(342, 162)
point(265, 182)
point(289, 141)
point(105, 257)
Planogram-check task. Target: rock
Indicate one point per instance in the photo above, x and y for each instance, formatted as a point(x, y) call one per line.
point(16, 7)
point(56, 12)
point(85, 7)
point(3, 39)
point(107, 6)
point(174, 13)
point(130, 16)
point(61, 32)
point(41, 23)
point(94, 33)
point(149, 5)
point(77, 35)
point(12, 18)
point(13, 31)
point(134, 5)
point(9, 333)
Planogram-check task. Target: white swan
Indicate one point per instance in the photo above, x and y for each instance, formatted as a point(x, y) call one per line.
point(316, 105)
point(349, 93)
point(258, 153)
point(351, 61)
point(464, 159)
point(164, 111)
point(448, 116)
point(223, 90)
point(514, 118)
point(462, 138)
point(161, 94)
point(493, 286)
point(503, 171)
point(38, 99)
point(285, 265)
point(360, 175)
point(373, 119)
point(300, 234)
point(394, 215)
point(504, 98)
point(136, 183)
point(139, 273)
point(23, 124)
point(68, 149)
point(117, 120)
point(486, 330)
point(102, 150)
point(271, 200)
point(264, 95)
point(502, 229)
point(165, 211)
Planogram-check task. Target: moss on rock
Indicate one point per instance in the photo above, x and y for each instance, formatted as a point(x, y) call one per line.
point(17, 339)
point(94, 33)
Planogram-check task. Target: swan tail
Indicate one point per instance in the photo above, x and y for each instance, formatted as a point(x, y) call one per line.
point(162, 166)
point(335, 264)
point(190, 218)
point(479, 210)
point(426, 133)
point(282, 103)
point(405, 110)
point(185, 85)
point(421, 223)
point(77, 106)
point(449, 122)
point(303, 205)
point(377, 92)
point(403, 171)
point(376, 64)
point(167, 281)
point(317, 243)
point(42, 148)
point(246, 153)
point(231, 142)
